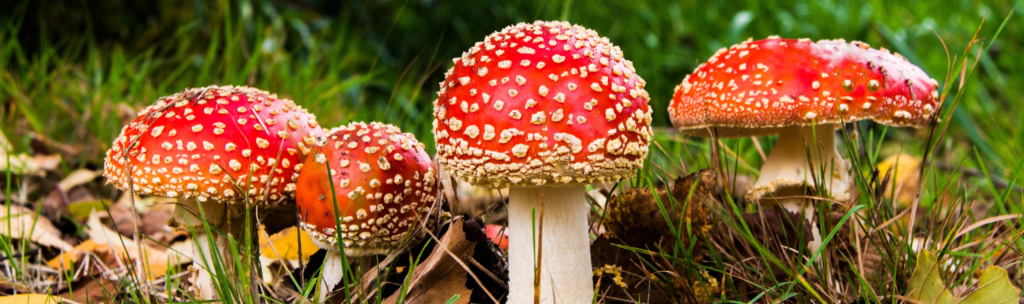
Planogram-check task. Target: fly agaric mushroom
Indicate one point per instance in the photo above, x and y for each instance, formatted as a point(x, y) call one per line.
point(386, 186)
point(498, 235)
point(801, 90)
point(216, 148)
point(545, 109)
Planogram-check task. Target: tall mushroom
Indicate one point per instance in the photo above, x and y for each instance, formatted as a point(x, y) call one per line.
point(217, 148)
point(545, 109)
point(801, 90)
point(385, 186)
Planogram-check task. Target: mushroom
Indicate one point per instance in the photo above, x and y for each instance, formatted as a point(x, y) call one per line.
point(220, 148)
point(803, 91)
point(498, 235)
point(385, 186)
point(545, 109)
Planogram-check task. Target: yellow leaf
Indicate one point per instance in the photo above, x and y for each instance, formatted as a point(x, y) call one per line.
point(906, 175)
point(286, 244)
point(68, 259)
point(33, 298)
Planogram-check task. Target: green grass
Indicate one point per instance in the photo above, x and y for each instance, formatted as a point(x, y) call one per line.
point(73, 84)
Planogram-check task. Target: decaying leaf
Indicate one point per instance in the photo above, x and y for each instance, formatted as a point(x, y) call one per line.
point(117, 250)
point(634, 219)
point(926, 285)
point(93, 289)
point(439, 276)
point(78, 177)
point(906, 175)
point(24, 224)
point(23, 164)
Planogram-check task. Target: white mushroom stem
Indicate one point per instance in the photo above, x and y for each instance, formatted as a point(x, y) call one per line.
point(788, 171)
point(204, 256)
point(566, 275)
point(331, 274)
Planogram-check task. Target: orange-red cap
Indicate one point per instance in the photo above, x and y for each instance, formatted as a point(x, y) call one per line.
point(385, 185)
point(220, 143)
point(756, 87)
point(542, 103)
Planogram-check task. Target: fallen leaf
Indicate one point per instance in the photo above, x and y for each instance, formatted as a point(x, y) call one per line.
point(34, 298)
point(80, 211)
point(93, 289)
point(116, 250)
point(906, 175)
point(286, 244)
point(68, 259)
point(23, 164)
point(926, 285)
point(78, 177)
point(24, 223)
point(439, 276)
point(284, 247)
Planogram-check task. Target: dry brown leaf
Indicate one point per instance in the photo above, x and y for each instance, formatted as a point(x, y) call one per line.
point(439, 276)
point(34, 298)
point(23, 164)
point(93, 290)
point(24, 223)
point(116, 250)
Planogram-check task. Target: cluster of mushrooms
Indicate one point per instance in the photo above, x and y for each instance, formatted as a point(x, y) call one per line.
point(543, 109)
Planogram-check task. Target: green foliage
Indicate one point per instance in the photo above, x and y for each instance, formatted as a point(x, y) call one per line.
point(381, 60)
point(926, 285)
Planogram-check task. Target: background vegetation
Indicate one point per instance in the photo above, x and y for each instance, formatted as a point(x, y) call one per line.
point(68, 67)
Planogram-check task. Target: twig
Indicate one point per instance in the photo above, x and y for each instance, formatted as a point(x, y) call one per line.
point(487, 272)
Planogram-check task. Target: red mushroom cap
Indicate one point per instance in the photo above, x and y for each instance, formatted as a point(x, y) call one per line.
point(540, 103)
point(773, 83)
point(205, 143)
point(385, 185)
point(498, 234)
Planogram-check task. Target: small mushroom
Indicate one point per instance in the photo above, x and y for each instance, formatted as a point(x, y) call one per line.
point(385, 187)
point(545, 109)
point(497, 234)
point(219, 148)
point(801, 90)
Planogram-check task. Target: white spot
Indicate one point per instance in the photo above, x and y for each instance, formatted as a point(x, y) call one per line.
point(520, 150)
